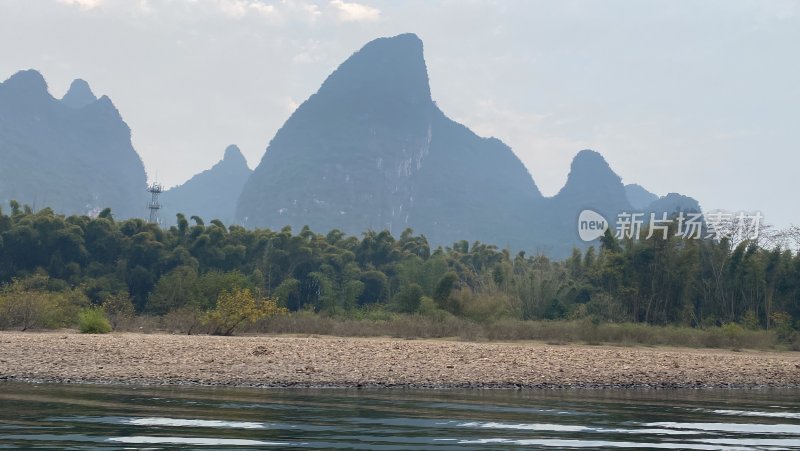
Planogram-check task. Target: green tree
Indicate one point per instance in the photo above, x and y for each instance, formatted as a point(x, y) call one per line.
point(408, 299)
point(444, 287)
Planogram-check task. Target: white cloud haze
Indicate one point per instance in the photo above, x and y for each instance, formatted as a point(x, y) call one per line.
point(355, 12)
point(83, 4)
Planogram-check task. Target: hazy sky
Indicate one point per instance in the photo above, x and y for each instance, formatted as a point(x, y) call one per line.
point(701, 98)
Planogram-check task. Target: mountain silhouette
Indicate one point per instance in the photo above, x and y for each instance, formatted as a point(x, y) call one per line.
point(672, 204)
point(592, 184)
point(371, 150)
point(638, 197)
point(78, 95)
point(74, 154)
point(211, 194)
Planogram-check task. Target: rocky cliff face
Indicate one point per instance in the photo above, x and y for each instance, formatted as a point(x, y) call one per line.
point(370, 150)
point(74, 154)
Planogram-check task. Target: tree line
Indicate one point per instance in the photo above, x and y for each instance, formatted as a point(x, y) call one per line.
point(135, 265)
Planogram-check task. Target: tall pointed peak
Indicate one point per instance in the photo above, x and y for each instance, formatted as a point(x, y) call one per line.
point(385, 68)
point(408, 42)
point(234, 155)
point(232, 152)
point(27, 82)
point(590, 176)
point(589, 165)
point(588, 158)
point(79, 94)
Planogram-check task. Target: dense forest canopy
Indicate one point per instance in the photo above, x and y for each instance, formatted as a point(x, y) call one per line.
point(695, 283)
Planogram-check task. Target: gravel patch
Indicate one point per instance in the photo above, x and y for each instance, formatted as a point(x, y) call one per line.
point(291, 361)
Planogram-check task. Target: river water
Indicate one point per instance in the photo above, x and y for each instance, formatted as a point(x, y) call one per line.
point(118, 417)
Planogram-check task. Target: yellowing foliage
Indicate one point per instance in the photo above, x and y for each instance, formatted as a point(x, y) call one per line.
point(239, 307)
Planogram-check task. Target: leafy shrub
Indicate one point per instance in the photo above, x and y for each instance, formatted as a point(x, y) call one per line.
point(782, 324)
point(750, 320)
point(483, 306)
point(408, 299)
point(28, 304)
point(239, 307)
point(93, 321)
point(442, 292)
point(734, 334)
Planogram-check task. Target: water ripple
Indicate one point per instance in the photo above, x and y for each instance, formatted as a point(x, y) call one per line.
point(201, 441)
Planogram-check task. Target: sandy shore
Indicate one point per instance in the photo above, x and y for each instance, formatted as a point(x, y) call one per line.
point(282, 361)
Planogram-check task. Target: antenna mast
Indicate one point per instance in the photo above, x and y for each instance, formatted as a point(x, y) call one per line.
point(154, 189)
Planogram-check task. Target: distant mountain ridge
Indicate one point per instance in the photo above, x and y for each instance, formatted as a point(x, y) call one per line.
point(593, 185)
point(73, 154)
point(369, 150)
point(639, 197)
point(211, 194)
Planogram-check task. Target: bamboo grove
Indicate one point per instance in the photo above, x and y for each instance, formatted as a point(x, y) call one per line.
point(695, 283)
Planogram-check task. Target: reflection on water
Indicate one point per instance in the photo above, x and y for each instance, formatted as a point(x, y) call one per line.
point(86, 417)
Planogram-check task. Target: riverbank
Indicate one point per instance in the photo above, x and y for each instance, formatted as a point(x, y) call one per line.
point(320, 361)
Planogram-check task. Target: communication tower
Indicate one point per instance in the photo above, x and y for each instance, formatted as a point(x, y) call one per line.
point(154, 189)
